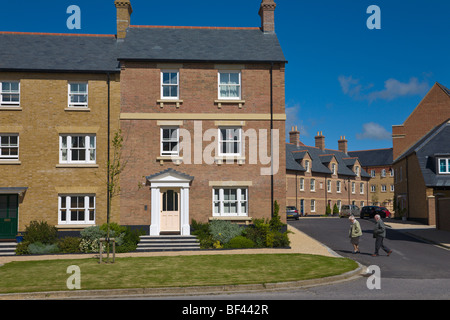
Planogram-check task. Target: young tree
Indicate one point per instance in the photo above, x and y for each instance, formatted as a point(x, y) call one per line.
point(115, 166)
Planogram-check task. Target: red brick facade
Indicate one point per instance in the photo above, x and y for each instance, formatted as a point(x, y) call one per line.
point(143, 115)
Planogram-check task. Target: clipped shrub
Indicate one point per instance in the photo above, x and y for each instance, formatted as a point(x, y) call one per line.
point(90, 239)
point(335, 210)
point(42, 248)
point(41, 231)
point(22, 248)
point(240, 242)
point(69, 245)
point(223, 231)
point(201, 231)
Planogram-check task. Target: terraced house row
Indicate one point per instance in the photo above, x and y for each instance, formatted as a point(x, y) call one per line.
point(200, 111)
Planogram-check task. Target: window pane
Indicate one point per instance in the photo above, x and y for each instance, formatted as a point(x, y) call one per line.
point(442, 165)
point(234, 78)
point(224, 78)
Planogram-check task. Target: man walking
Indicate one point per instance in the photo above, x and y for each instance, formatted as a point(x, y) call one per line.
point(379, 233)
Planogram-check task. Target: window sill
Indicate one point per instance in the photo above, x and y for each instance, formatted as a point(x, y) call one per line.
point(177, 102)
point(10, 162)
point(77, 109)
point(71, 165)
point(247, 220)
point(74, 226)
point(11, 108)
point(229, 159)
point(230, 101)
point(177, 160)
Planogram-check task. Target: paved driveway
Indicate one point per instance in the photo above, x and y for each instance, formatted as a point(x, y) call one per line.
point(411, 258)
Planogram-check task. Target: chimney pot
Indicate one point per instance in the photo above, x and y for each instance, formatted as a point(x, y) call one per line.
point(343, 144)
point(124, 11)
point(320, 141)
point(267, 13)
point(294, 136)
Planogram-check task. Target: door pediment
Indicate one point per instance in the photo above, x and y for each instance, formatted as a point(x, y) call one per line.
point(169, 176)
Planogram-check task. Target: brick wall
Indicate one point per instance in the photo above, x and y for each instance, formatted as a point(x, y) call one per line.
point(42, 117)
point(431, 111)
point(198, 92)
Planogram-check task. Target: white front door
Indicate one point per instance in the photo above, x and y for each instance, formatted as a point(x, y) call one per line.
point(170, 210)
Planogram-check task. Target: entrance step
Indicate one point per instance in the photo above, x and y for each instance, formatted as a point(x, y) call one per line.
point(8, 248)
point(167, 243)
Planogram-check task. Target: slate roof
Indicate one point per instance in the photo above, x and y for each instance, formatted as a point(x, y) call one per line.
point(58, 52)
point(231, 45)
point(428, 149)
point(320, 159)
point(373, 158)
point(445, 89)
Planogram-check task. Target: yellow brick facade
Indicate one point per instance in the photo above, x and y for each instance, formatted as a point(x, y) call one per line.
point(42, 117)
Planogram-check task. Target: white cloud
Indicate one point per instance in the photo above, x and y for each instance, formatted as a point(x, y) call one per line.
point(373, 131)
point(393, 89)
point(293, 120)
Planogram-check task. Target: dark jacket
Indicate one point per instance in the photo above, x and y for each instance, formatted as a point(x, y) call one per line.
point(379, 230)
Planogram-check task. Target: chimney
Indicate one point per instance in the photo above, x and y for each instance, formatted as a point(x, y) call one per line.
point(267, 13)
point(320, 141)
point(342, 144)
point(294, 136)
point(124, 12)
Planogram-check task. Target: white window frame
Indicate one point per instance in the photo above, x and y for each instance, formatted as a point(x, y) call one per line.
point(8, 146)
point(312, 185)
point(333, 168)
point(313, 205)
point(392, 188)
point(328, 185)
point(68, 209)
point(172, 139)
point(372, 173)
point(383, 188)
point(383, 173)
point(338, 186)
point(307, 166)
point(239, 85)
point(357, 171)
point(176, 85)
point(241, 201)
point(78, 105)
point(69, 149)
point(373, 188)
point(361, 188)
point(353, 187)
point(221, 140)
point(447, 165)
point(12, 104)
point(302, 184)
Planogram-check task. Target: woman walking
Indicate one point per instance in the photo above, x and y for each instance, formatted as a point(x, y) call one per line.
point(354, 233)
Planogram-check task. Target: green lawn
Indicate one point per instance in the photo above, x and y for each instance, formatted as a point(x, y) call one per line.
point(179, 271)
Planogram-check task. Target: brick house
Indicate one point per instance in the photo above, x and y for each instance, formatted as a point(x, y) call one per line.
point(421, 160)
point(378, 163)
point(317, 176)
point(54, 105)
point(197, 108)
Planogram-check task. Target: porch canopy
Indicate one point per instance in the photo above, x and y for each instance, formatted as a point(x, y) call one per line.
point(14, 190)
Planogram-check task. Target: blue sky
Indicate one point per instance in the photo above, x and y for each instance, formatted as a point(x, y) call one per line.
point(341, 79)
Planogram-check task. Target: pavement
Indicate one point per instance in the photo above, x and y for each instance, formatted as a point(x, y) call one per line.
point(300, 243)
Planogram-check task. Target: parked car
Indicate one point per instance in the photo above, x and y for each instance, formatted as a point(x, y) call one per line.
point(292, 212)
point(386, 212)
point(349, 210)
point(371, 211)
